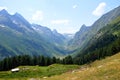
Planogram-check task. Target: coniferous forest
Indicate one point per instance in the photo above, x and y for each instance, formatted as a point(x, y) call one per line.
point(25, 44)
point(12, 62)
point(107, 44)
point(25, 60)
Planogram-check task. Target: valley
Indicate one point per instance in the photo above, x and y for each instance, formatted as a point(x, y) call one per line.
point(34, 39)
point(38, 51)
point(31, 39)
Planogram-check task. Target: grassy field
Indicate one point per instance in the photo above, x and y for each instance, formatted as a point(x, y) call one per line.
point(36, 72)
point(105, 69)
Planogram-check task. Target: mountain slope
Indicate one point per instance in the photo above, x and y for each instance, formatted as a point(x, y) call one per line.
point(51, 36)
point(79, 37)
point(17, 44)
point(83, 38)
point(18, 37)
point(105, 43)
point(106, 69)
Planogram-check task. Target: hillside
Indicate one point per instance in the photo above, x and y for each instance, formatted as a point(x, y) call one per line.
point(80, 40)
point(105, 43)
point(105, 69)
point(60, 40)
point(19, 37)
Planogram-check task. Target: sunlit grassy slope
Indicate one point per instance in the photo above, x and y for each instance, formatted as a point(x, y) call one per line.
point(105, 69)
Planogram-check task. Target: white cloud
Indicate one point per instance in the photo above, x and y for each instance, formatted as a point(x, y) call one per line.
point(37, 16)
point(3, 7)
point(100, 9)
point(74, 6)
point(30, 9)
point(60, 21)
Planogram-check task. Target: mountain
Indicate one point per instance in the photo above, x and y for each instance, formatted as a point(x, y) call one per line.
point(106, 36)
point(51, 36)
point(106, 42)
point(79, 37)
point(101, 40)
point(68, 36)
point(21, 22)
point(19, 37)
point(82, 37)
point(15, 22)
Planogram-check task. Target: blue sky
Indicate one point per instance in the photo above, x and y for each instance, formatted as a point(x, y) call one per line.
point(66, 16)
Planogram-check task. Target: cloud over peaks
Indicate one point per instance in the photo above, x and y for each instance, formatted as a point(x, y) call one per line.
point(99, 9)
point(37, 16)
point(3, 7)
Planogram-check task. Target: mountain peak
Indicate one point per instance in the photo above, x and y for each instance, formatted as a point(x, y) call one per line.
point(17, 15)
point(55, 31)
point(4, 12)
point(83, 25)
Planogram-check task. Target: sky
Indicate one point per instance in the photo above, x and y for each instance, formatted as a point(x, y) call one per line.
point(66, 16)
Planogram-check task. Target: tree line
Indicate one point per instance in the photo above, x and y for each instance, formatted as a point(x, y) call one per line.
point(96, 51)
point(26, 60)
point(99, 51)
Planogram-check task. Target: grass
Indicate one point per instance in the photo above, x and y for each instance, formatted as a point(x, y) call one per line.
point(105, 69)
point(36, 72)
